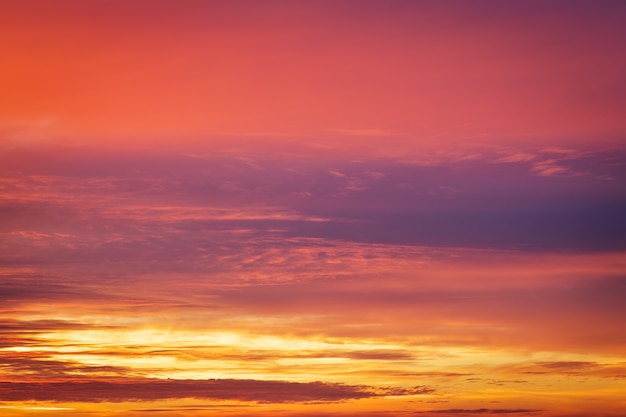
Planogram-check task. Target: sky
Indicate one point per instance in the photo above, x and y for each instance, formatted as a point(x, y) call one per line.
point(312, 208)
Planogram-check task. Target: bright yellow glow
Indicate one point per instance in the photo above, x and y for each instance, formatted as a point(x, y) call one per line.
point(36, 408)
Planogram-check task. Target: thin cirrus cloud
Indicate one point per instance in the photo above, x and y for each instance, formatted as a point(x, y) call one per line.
point(459, 205)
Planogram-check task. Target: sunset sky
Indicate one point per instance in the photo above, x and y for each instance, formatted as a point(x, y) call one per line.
point(346, 208)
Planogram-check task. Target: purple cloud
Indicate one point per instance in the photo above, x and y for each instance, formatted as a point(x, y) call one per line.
point(260, 391)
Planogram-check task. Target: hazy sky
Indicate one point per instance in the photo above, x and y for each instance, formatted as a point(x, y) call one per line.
point(312, 208)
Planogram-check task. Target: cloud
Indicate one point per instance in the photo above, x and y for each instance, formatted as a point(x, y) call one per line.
point(18, 288)
point(515, 157)
point(549, 168)
point(259, 391)
point(463, 411)
point(568, 365)
point(35, 326)
point(573, 368)
point(77, 203)
point(191, 408)
point(231, 353)
point(378, 354)
point(27, 366)
point(451, 316)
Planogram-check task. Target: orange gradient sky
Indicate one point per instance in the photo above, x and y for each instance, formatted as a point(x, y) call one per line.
point(312, 208)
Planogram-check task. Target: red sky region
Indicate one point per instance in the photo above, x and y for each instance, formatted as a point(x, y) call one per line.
point(427, 71)
point(312, 208)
